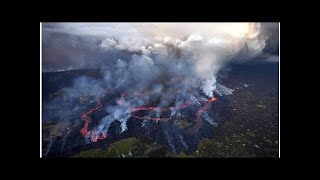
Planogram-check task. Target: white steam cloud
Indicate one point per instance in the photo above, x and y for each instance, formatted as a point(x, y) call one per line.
point(205, 46)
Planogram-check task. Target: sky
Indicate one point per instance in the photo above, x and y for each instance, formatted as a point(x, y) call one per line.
point(69, 46)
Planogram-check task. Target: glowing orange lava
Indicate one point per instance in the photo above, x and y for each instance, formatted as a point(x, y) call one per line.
point(95, 137)
point(200, 111)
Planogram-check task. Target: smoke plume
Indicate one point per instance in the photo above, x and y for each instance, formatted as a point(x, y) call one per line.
point(203, 47)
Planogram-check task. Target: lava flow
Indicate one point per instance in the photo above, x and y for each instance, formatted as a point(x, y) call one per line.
point(99, 136)
point(96, 137)
point(200, 111)
point(159, 109)
point(87, 119)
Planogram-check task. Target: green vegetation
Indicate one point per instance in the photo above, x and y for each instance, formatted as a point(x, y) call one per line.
point(229, 146)
point(124, 147)
point(233, 147)
point(95, 153)
point(131, 148)
point(182, 155)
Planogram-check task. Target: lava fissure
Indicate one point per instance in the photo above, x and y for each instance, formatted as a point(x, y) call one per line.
point(101, 135)
point(200, 111)
point(87, 119)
